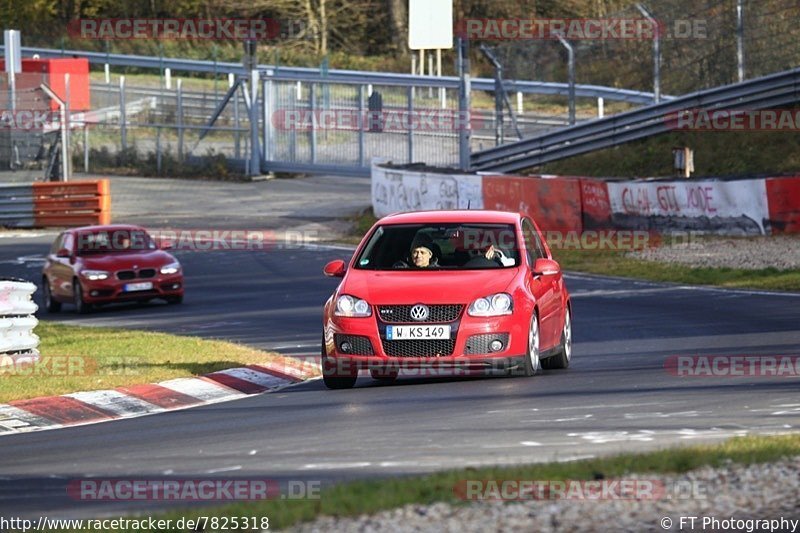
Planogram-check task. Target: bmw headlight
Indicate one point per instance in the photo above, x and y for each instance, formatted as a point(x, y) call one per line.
point(493, 305)
point(94, 275)
point(351, 306)
point(172, 268)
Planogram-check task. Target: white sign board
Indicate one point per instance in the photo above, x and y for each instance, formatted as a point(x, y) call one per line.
point(745, 199)
point(430, 24)
point(395, 190)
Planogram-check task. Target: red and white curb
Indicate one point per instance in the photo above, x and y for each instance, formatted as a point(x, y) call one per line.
point(91, 407)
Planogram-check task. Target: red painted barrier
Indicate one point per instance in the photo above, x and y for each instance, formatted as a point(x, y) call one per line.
point(595, 204)
point(554, 203)
point(783, 198)
point(72, 204)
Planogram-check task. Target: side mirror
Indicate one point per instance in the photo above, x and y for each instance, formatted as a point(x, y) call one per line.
point(63, 252)
point(546, 267)
point(334, 269)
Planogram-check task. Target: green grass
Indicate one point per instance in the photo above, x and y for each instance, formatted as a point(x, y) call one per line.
point(618, 263)
point(92, 358)
point(367, 497)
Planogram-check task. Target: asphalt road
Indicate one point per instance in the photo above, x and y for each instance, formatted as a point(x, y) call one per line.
point(616, 396)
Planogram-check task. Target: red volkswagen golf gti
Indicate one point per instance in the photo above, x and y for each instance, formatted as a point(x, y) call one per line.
point(104, 264)
point(450, 292)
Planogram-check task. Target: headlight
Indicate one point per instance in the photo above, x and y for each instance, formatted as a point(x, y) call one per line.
point(94, 275)
point(494, 305)
point(347, 305)
point(172, 268)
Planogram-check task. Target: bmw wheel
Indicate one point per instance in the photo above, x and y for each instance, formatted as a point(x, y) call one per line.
point(51, 305)
point(81, 307)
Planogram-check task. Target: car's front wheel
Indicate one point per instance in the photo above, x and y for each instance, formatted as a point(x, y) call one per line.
point(50, 304)
point(532, 362)
point(562, 358)
point(81, 307)
point(333, 376)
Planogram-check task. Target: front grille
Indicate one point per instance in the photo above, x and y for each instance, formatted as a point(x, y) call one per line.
point(479, 344)
point(131, 274)
point(419, 348)
point(401, 314)
point(361, 345)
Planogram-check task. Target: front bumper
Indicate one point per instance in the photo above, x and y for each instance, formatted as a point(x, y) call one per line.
point(467, 352)
point(114, 290)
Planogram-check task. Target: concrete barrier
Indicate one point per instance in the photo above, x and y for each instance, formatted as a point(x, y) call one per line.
point(18, 342)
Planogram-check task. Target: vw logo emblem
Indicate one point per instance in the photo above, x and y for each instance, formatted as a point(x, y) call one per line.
point(420, 312)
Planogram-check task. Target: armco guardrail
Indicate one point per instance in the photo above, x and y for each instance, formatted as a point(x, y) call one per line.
point(18, 342)
point(70, 204)
point(376, 78)
point(770, 91)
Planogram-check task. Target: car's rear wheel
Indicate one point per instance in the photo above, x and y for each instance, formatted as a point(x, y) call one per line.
point(562, 358)
point(81, 307)
point(333, 376)
point(532, 362)
point(51, 305)
point(386, 376)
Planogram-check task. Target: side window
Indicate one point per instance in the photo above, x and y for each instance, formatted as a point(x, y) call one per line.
point(533, 244)
point(68, 242)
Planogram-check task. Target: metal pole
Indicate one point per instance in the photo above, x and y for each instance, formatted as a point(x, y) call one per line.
point(266, 85)
point(361, 138)
point(656, 53)
point(740, 39)
point(86, 147)
point(571, 69)
point(236, 124)
point(312, 104)
point(255, 149)
point(66, 162)
point(123, 133)
point(158, 150)
point(179, 119)
point(464, 89)
point(410, 123)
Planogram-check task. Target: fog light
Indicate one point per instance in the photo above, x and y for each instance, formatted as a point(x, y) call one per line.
point(94, 293)
point(345, 347)
point(176, 285)
point(496, 345)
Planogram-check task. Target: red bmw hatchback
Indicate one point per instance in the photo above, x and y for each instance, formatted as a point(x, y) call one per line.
point(447, 293)
point(104, 264)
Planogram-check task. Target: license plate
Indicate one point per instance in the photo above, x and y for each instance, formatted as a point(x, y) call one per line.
point(143, 286)
point(433, 331)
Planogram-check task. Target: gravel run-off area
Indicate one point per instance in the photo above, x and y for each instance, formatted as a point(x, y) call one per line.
point(781, 252)
point(733, 492)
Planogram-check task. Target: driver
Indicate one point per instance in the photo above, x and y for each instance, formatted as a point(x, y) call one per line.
point(423, 254)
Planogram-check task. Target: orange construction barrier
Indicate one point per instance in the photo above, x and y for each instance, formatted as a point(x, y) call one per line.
point(72, 204)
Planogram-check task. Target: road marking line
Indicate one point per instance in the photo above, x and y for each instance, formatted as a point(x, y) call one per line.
point(201, 389)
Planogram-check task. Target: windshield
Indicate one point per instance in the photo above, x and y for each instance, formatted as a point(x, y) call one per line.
point(115, 241)
point(440, 247)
